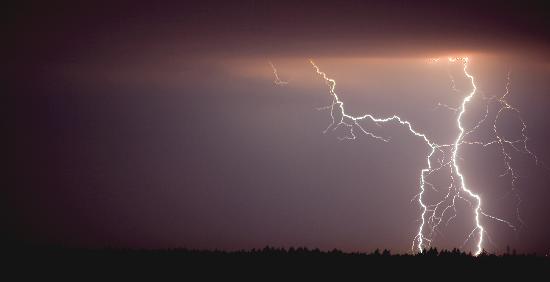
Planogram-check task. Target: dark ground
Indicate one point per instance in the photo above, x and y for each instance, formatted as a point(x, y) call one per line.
point(46, 262)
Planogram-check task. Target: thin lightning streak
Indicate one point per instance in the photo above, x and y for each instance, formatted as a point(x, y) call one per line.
point(277, 80)
point(452, 83)
point(441, 105)
point(504, 105)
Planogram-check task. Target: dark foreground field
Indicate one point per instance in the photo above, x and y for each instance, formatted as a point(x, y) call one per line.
point(268, 263)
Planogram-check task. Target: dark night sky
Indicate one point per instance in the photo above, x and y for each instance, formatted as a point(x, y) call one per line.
point(158, 125)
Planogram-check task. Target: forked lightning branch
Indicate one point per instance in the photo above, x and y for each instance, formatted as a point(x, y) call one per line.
point(440, 157)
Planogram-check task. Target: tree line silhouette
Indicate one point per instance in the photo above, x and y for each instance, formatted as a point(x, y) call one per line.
point(271, 260)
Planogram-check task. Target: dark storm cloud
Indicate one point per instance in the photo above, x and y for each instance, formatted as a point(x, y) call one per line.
point(125, 30)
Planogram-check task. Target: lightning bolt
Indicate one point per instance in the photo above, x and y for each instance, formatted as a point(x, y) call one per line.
point(277, 80)
point(447, 155)
point(519, 145)
point(457, 143)
point(341, 118)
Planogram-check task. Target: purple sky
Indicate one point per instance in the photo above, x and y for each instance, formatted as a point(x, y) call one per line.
point(149, 125)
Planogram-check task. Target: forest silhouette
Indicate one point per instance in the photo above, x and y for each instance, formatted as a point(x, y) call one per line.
point(272, 261)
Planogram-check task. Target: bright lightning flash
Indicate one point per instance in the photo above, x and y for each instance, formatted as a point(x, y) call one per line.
point(433, 213)
point(457, 143)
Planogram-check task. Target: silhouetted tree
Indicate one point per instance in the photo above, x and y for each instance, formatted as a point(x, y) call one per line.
point(432, 252)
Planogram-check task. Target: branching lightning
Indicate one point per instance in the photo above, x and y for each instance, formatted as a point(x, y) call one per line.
point(519, 145)
point(352, 122)
point(446, 155)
